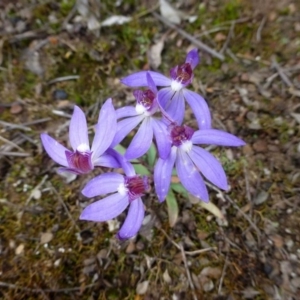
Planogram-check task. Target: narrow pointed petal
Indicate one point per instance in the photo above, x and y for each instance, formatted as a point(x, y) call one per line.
point(124, 127)
point(209, 166)
point(192, 58)
point(164, 96)
point(125, 165)
point(216, 137)
point(103, 184)
point(199, 108)
point(105, 209)
point(163, 141)
point(133, 221)
point(105, 129)
point(126, 111)
point(107, 161)
point(151, 84)
point(162, 174)
point(176, 108)
point(141, 142)
point(55, 150)
point(78, 131)
point(140, 79)
point(190, 177)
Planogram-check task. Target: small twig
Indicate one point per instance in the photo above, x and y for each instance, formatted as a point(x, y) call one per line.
point(63, 204)
point(281, 73)
point(167, 236)
point(70, 15)
point(144, 13)
point(223, 274)
point(237, 208)
point(199, 251)
point(26, 35)
point(14, 126)
point(62, 290)
point(256, 59)
point(61, 113)
point(188, 272)
point(260, 28)
point(27, 138)
point(247, 184)
point(64, 78)
point(194, 41)
point(38, 121)
point(229, 36)
point(217, 29)
point(18, 154)
point(191, 253)
point(11, 143)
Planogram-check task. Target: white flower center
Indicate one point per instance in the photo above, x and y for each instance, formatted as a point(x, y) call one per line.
point(186, 146)
point(83, 148)
point(140, 109)
point(176, 86)
point(122, 189)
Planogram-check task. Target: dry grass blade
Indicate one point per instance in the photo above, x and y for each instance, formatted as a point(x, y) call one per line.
point(194, 41)
point(188, 272)
point(11, 143)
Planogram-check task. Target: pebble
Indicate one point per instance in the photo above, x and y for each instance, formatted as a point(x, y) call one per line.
point(59, 95)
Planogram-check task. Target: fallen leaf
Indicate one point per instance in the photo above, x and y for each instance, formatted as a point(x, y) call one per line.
point(167, 277)
point(169, 12)
point(154, 54)
point(211, 272)
point(261, 197)
point(46, 237)
point(16, 108)
point(115, 20)
point(142, 287)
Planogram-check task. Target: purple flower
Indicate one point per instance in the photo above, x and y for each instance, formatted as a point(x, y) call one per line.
point(190, 159)
point(172, 97)
point(124, 191)
point(83, 159)
point(150, 126)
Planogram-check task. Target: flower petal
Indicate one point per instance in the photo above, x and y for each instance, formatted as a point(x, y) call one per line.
point(176, 108)
point(140, 79)
point(163, 141)
point(133, 221)
point(216, 137)
point(55, 150)
point(162, 174)
point(164, 96)
point(103, 184)
point(105, 209)
point(125, 165)
point(192, 58)
point(209, 166)
point(124, 127)
point(105, 129)
point(126, 111)
point(199, 108)
point(141, 142)
point(106, 160)
point(151, 84)
point(78, 131)
point(190, 177)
